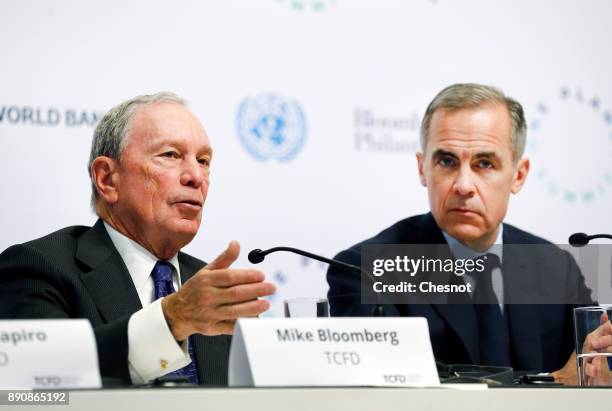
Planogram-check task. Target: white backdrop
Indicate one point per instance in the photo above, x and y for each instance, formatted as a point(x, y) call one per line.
point(361, 72)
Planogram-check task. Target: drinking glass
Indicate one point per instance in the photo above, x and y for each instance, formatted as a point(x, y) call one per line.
point(594, 365)
point(306, 307)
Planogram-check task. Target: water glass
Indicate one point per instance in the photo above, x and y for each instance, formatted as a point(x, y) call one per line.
point(594, 365)
point(306, 307)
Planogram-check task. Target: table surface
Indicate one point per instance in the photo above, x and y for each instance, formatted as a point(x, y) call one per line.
point(353, 399)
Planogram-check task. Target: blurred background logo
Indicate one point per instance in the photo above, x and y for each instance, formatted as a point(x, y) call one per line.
point(271, 127)
point(307, 5)
point(569, 134)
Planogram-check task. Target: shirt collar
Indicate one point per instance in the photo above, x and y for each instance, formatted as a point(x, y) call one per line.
point(138, 260)
point(460, 250)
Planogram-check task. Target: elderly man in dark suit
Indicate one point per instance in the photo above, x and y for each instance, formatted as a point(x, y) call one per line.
point(472, 141)
point(155, 310)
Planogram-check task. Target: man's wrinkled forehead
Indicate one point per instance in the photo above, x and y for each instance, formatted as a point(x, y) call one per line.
point(474, 130)
point(157, 116)
point(167, 121)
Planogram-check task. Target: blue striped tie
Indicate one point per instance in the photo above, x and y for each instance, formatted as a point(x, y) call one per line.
point(162, 277)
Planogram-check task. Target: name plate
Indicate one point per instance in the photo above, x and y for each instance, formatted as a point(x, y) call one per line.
point(48, 354)
point(332, 352)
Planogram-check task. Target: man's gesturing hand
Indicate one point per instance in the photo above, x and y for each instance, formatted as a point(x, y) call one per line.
point(211, 301)
point(596, 370)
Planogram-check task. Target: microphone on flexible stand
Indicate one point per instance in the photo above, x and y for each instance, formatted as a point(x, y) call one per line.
point(582, 239)
point(257, 256)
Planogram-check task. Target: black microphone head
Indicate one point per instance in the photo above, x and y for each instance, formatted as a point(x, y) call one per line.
point(256, 256)
point(579, 239)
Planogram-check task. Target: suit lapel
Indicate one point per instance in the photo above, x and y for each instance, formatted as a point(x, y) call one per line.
point(109, 281)
point(211, 352)
point(461, 318)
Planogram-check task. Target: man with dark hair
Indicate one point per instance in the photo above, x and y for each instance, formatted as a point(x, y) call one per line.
point(472, 142)
point(149, 167)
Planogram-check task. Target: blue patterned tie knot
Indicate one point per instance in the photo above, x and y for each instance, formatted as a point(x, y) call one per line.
point(162, 279)
point(162, 271)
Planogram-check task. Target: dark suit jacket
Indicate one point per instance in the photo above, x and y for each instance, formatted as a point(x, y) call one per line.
point(541, 336)
point(76, 272)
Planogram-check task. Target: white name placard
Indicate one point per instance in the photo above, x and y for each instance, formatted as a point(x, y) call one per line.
point(332, 352)
point(48, 354)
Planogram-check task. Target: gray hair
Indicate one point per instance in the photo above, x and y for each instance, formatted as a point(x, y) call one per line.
point(471, 95)
point(112, 132)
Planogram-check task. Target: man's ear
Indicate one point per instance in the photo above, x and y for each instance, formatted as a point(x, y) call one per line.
point(421, 164)
point(106, 179)
point(520, 175)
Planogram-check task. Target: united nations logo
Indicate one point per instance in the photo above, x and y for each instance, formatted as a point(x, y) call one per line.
point(271, 127)
point(571, 136)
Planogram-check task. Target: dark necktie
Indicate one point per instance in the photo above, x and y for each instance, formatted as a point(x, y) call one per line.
point(492, 329)
point(162, 278)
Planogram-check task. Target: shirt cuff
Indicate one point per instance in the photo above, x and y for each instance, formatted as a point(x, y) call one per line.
point(152, 349)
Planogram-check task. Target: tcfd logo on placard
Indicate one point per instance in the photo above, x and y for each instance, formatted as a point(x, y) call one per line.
point(271, 127)
point(571, 139)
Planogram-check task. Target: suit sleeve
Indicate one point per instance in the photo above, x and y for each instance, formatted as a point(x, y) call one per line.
point(578, 293)
point(33, 287)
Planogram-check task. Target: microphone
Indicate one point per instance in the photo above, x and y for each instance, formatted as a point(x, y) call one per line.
point(582, 239)
point(257, 255)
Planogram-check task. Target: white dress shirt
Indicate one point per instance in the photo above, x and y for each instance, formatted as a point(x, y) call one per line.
point(462, 251)
point(152, 349)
